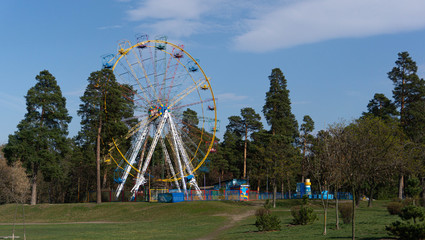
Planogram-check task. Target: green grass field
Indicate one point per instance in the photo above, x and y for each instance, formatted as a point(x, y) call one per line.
point(187, 220)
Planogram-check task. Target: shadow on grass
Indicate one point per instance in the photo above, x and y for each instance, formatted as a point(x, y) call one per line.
point(369, 238)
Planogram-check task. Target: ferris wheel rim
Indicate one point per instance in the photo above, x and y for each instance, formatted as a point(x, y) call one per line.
point(123, 52)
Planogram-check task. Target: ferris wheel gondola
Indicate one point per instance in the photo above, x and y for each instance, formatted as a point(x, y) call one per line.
point(171, 122)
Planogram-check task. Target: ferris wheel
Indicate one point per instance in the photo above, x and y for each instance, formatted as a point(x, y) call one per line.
point(175, 117)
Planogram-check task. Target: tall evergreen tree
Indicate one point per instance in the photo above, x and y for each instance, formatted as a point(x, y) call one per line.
point(409, 94)
point(382, 107)
point(244, 126)
point(232, 145)
point(250, 123)
point(405, 79)
point(105, 103)
point(283, 128)
point(277, 109)
point(41, 140)
point(306, 139)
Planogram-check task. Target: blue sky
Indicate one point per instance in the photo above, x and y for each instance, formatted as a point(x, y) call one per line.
point(335, 54)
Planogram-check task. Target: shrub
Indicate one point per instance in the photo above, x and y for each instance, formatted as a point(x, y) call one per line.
point(265, 220)
point(407, 229)
point(346, 211)
point(14, 183)
point(412, 212)
point(262, 212)
point(394, 208)
point(303, 215)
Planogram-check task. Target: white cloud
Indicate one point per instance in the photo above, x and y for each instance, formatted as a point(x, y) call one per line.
point(184, 18)
point(174, 27)
point(309, 21)
point(169, 9)
point(74, 93)
point(223, 97)
point(13, 103)
point(109, 27)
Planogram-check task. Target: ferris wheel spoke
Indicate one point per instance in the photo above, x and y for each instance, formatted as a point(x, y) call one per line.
point(172, 79)
point(141, 101)
point(160, 87)
point(196, 146)
point(194, 103)
point(148, 82)
point(187, 91)
point(131, 73)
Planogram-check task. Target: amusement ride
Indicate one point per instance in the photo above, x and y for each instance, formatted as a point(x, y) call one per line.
point(175, 116)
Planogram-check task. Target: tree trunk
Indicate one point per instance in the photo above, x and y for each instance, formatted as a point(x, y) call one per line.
point(353, 224)
point(99, 191)
point(283, 193)
point(336, 208)
point(369, 204)
point(358, 198)
point(34, 184)
point(34, 189)
point(274, 193)
point(401, 187)
point(303, 160)
point(423, 191)
point(289, 187)
point(244, 153)
point(325, 218)
point(325, 205)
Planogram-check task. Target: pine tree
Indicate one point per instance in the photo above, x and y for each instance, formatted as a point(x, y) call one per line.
point(306, 139)
point(382, 107)
point(283, 129)
point(105, 103)
point(406, 83)
point(409, 95)
point(41, 140)
point(244, 126)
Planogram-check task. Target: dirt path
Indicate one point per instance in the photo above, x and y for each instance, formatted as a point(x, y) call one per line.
point(233, 220)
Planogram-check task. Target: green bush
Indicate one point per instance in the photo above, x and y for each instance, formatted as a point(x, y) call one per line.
point(265, 220)
point(346, 211)
point(412, 212)
point(262, 212)
point(394, 208)
point(303, 215)
point(407, 229)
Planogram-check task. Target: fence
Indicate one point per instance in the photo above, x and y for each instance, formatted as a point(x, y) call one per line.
point(208, 195)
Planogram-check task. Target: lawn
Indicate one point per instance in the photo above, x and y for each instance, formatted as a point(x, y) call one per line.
point(187, 220)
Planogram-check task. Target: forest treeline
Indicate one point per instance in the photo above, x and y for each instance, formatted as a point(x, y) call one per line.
point(374, 155)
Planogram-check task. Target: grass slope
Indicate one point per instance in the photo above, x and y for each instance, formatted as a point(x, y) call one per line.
point(187, 220)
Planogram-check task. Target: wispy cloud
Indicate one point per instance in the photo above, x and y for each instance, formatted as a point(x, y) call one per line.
point(168, 9)
point(301, 102)
point(224, 97)
point(13, 103)
point(184, 18)
point(109, 27)
point(309, 21)
point(266, 25)
point(78, 92)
